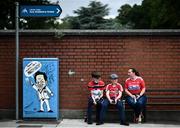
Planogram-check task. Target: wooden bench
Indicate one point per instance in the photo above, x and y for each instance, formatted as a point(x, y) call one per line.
point(158, 100)
point(163, 99)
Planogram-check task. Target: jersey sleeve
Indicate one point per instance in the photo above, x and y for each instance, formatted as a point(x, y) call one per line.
point(142, 83)
point(121, 88)
point(90, 86)
point(126, 84)
point(107, 87)
point(102, 84)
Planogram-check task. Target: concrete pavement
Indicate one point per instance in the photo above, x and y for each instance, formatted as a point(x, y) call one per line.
point(67, 123)
point(79, 123)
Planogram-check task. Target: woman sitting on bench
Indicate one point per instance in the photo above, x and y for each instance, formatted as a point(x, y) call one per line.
point(135, 89)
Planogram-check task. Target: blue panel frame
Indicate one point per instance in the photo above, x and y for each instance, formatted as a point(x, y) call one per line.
point(41, 95)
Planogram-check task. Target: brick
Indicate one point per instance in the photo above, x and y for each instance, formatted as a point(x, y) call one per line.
point(156, 57)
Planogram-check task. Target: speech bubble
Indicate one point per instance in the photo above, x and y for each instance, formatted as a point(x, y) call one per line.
point(32, 68)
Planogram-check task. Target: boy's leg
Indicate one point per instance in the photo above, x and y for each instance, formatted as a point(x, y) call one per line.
point(98, 109)
point(104, 106)
point(89, 110)
point(120, 108)
point(121, 112)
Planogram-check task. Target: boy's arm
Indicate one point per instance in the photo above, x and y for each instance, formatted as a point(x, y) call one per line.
point(119, 92)
point(107, 95)
point(101, 93)
point(119, 96)
point(94, 101)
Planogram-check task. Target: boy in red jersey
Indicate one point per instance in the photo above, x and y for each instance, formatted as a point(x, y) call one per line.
point(114, 93)
point(96, 87)
point(135, 89)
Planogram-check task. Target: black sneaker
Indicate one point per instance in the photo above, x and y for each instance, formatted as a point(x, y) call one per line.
point(89, 122)
point(124, 123)
point(99, 123)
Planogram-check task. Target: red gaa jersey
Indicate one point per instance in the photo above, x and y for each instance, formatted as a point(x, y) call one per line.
point(135, 86)
point(92, 85)
point(114, 90)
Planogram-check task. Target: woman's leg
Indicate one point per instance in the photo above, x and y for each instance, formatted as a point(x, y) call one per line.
point(141, 104)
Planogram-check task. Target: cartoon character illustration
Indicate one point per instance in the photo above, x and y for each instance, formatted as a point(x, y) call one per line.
point(42, 89)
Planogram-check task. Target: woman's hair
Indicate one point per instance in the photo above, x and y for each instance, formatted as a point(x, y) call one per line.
point(135, 71)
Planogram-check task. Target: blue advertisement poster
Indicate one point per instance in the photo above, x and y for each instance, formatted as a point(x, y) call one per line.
point(41, 88)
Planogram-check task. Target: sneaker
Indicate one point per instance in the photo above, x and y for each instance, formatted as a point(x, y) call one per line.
point(124, 123)
point(85, 119)
point(89, 122)
point(136, 120)
point(99, 123)
point(140, 118)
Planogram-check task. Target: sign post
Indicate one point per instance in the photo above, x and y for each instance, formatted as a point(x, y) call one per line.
point(30, 11)
point(17, 60)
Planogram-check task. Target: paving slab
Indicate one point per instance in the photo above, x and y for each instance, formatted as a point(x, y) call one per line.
point(79, 123)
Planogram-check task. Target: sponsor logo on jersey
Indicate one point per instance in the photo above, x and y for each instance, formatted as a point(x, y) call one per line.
point(134, 87)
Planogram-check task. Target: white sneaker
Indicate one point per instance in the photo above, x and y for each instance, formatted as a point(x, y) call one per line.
point(140, 119)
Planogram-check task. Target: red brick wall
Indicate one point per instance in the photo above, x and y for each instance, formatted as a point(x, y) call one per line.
point(156, 57)
point(7, 73)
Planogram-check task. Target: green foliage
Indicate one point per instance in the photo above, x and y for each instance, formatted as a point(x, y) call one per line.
point(111, 24)
point(7, 13)
point(91, 17)
point(68, 22)
point(124, 11)
point(152, 14)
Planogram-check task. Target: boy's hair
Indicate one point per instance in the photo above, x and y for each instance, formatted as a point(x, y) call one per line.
point(95, 74)
point(40, 73)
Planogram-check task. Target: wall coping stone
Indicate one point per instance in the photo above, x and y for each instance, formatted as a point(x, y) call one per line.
point(104, 32)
